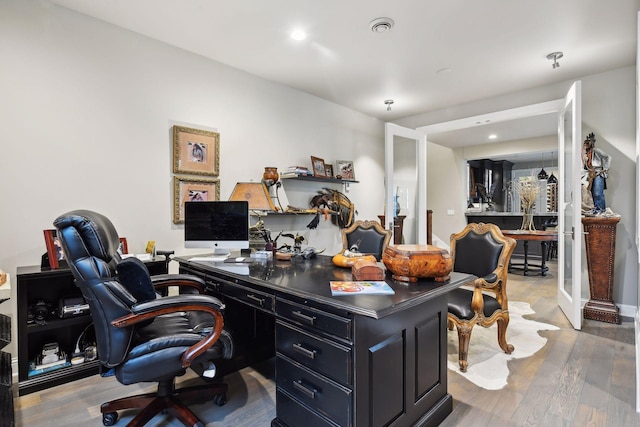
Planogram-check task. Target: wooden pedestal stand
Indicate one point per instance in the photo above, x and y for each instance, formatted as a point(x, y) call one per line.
point(601, 252)
point(398, 225)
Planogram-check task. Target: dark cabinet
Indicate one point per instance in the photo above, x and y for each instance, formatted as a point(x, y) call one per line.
point(494, 177)
point(6, 393)
point(43, 335)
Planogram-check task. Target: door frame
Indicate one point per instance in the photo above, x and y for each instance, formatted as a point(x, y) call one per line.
point(549, 107)
point(392, 130)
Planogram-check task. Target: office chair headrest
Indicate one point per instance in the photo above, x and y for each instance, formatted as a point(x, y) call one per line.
point(86, 233)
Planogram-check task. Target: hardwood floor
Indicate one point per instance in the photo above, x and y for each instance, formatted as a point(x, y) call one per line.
point(579, 378)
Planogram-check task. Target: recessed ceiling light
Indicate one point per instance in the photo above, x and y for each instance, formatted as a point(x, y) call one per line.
point(493, 136)
point(298, 35)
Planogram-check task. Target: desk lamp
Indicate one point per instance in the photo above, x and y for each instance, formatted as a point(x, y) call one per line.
point(257, 195)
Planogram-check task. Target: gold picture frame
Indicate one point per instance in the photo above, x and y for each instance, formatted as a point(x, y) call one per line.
point(317, 166)
point(196, 151)
point(345, 169)
point(192, 190)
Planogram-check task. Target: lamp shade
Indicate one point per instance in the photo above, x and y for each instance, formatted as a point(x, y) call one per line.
point(543, 174)
point(255, 193)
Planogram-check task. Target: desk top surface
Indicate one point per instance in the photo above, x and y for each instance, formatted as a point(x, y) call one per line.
point(310, 279)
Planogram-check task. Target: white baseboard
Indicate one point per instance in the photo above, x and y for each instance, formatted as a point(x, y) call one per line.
point(628, 311)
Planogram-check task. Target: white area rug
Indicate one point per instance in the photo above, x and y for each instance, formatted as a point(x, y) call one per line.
point(487, 362)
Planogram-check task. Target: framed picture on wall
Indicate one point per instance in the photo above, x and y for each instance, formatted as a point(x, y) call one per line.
point(318, 166)
point(54, 249)
point(344, 168)
point(192, 190)
point(196, 151)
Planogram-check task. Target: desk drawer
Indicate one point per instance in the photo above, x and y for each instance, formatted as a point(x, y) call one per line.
point(293, 413)
point(323, 395)
point(246, 295)
point(322, 355)
point(308, 316)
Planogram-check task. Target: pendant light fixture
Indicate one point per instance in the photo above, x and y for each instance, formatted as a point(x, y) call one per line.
point(543, 173)
point(552, 179)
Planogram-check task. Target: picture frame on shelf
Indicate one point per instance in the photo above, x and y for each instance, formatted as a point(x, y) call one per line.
point(186, 189)
point(196, 151)
point(328, 169)
point(345, 169)
point(124, 247)
point(318, 166)
point(54, 249)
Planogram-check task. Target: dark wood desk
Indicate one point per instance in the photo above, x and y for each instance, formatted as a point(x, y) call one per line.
point(542, 236)
point(340, 361)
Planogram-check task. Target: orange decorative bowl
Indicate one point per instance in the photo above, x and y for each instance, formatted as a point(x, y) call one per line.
point(408, 263)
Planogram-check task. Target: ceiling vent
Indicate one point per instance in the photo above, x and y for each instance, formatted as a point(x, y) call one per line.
point(381, 25)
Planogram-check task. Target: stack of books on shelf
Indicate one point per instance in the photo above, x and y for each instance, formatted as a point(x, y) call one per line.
point(295, 171)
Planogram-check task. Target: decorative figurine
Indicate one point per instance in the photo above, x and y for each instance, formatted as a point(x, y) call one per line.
point(595, 170)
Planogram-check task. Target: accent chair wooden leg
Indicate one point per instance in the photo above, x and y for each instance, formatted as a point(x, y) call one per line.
point(464, 335)
point(503, 322)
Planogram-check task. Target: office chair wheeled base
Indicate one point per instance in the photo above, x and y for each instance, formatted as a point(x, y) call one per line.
point(166, 400)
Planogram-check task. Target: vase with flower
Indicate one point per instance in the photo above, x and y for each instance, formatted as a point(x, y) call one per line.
point(528, 189)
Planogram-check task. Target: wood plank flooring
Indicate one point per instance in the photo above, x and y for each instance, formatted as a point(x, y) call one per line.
point(579, 378)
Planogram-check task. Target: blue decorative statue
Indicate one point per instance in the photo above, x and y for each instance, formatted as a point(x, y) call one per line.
point(595, 169)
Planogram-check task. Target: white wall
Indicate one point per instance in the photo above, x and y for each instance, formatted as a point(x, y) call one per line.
point(608, 110)
point(86, 111)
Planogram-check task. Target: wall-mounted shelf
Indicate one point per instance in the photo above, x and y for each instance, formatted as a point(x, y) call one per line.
point(278, 213)
point(319, 179)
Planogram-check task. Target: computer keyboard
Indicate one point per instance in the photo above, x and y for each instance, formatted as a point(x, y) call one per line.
point(218, 258)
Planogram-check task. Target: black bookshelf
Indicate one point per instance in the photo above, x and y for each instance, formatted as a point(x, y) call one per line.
point(34, 285)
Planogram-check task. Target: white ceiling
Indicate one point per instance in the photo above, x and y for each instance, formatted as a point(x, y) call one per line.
point(486, 48)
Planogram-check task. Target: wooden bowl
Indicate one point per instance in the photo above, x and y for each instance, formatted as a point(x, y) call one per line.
point(408, 263)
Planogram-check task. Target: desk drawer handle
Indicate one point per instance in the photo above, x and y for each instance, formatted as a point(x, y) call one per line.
point(297, 384)
point(311, 354)
point(256, 299)
point(310, 319)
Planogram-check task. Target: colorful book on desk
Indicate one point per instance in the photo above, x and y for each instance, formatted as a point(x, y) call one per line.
point(360, 288)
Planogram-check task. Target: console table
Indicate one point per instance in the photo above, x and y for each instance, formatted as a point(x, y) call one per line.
point(340, 361)
point(542, 236)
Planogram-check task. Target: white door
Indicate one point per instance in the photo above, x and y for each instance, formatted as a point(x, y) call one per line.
point(391, 131)
point(569, 215)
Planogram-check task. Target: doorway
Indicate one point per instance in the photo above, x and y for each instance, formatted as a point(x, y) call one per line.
point(555, 108)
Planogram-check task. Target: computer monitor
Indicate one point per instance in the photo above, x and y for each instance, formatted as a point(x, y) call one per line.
point(219, 225)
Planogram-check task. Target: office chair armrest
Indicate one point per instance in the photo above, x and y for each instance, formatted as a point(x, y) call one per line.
point(160, 281)
point(160, 306)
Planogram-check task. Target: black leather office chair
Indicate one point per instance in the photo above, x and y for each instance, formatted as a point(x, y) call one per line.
point(367, 237)
point(141, 336)
point(482, 250)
